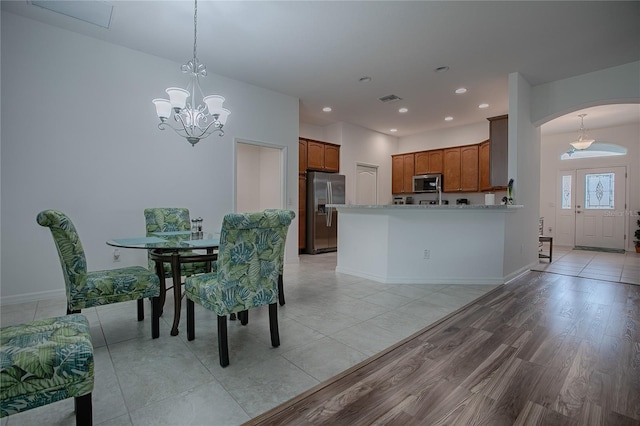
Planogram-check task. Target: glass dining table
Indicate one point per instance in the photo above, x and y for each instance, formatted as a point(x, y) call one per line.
point(175, 248)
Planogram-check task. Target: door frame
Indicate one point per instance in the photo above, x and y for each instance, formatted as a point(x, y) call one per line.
point(283, 168)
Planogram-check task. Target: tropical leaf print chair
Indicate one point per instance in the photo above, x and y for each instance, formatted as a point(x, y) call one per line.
point(89, 289)
point(280, 272)
point(251, 246)
point(171, 219)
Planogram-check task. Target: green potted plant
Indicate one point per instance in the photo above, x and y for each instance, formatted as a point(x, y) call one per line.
point(637, 235)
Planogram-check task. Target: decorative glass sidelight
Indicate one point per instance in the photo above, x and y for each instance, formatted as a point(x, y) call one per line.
point(599, 191)
point(566, 192)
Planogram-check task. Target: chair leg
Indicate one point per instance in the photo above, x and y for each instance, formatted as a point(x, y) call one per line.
point(243, 316)
point(223, 347)
point(140, 309)
point(280, 290)
point(155, 316)
point(84, 411)
point(273, 324)
point(191, 320)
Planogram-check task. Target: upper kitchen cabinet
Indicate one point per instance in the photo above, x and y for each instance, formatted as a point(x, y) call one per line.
point(483, 166)
point(460, 165)
point(499, 150)
point(302, 156)
point(331, 158)
point(315, 155)
point(322, 156)
point(427, 162)
point(402, 171)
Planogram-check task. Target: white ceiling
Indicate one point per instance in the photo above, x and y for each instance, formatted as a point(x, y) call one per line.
point(317, 50)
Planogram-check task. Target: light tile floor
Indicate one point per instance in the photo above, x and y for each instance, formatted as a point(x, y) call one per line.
point(618, 267)
point(330, 322)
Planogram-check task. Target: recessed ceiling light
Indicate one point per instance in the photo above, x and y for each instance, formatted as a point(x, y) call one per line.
point(449, 118)
point(403, 110)
point(327, 109)
point(393, 130)
point(364, 79)
point(461, 90)
point(442, 69)
point(483, 106)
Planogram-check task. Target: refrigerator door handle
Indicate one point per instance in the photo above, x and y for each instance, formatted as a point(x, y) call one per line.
point(329, 201)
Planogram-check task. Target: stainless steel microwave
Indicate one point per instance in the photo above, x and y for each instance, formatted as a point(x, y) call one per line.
point(427, 183)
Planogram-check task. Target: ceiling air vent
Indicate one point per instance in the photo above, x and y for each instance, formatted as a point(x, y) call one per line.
point(390, 98)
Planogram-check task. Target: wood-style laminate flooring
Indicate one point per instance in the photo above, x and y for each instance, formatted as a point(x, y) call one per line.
point(545, 349)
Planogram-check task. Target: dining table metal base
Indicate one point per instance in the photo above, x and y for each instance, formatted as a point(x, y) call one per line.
point(176, 258)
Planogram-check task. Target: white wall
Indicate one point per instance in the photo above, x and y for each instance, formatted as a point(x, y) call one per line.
point(445, 138)
point(80, 135)
point(615, 85)
point(358, 145)
point(521, 233)
point(553, 146)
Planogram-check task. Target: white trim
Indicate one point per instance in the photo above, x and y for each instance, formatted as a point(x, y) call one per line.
point(33, 297)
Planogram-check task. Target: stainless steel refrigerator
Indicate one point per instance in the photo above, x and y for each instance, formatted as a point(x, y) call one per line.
point(322, 221)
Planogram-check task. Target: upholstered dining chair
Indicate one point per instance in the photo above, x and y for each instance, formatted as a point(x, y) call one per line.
point(251, 246)
point(280, 273)
point(90, 289)
point(171, 219)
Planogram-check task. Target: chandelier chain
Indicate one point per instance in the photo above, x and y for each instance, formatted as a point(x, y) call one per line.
point(195, 32)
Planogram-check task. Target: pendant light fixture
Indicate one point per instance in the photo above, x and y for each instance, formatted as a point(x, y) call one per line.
point(191, 119)
point(583, 141)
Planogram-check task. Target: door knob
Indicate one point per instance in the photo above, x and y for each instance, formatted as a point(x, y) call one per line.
point(578, 211)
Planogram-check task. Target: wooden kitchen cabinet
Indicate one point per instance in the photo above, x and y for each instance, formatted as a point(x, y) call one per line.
point(315, 155)
point(484, 166)
point(428, 162)
point(460, 165)
point(421, 162)
point(302, 211)
point(302, 155)
point(402, 172)
point(435, 161)
point(499, 151)
point(322, 156)
point(331, 158)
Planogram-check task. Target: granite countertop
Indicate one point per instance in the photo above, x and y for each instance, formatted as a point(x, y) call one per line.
point(498, 207)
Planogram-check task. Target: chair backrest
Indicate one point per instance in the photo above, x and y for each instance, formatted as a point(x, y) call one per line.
point(166, 219)
point(251, 246)
point(281, 263)
point(70, 251)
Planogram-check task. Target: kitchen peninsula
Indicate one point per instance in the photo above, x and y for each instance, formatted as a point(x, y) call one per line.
point(423, 244)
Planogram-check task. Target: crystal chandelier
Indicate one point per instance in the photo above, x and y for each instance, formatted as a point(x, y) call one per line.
point(192, 120)
point(583, 141)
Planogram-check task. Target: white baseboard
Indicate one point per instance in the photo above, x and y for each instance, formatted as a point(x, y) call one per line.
point(32, 297)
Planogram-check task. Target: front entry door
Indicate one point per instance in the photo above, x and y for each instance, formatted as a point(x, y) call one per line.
point(600, 197)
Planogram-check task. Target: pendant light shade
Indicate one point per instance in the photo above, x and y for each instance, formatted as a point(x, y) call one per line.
point(583, 141)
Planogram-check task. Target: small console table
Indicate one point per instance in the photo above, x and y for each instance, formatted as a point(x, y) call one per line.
point(546, 240)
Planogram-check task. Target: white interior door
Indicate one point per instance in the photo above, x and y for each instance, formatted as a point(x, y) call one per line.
point(366, 185)
point(600, 195)
point(565, 234)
